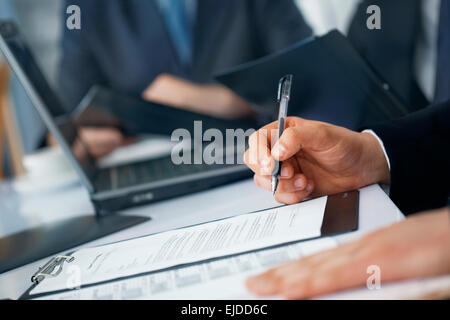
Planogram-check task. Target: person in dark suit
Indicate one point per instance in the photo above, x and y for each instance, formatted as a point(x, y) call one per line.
point(403, 51)
point(167, 51)
point(410, 154)
point(127, 44)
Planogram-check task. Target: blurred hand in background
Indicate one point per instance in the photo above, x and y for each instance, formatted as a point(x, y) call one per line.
point(98, 142)
point(210, 99)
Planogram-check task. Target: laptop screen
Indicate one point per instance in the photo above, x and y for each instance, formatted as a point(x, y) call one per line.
point(46, 102)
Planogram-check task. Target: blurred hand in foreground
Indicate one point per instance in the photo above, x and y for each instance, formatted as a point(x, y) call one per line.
point(414, 248)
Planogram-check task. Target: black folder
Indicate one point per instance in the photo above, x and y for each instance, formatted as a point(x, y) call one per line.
point(332, 83)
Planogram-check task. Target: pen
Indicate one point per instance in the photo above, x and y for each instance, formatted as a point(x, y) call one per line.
point(284, 94)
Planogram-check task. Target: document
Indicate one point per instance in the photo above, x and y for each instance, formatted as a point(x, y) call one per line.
point(231, 236)
point(218, 279)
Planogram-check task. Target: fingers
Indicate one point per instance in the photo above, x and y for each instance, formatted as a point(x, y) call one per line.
point(322, 273)
point(101, 141)
point(293, 197)
point(393, 250)
point(288, 169)
point(296, 183)
point(288, 144)
point(291, 189)
point(293, 185)
point(300, 134)
point(301, 138)
point(258, 156)
point(266, 284)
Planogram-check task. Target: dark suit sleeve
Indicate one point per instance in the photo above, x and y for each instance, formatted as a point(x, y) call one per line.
point(78, 70)
point(418, 147)
point(279, 24)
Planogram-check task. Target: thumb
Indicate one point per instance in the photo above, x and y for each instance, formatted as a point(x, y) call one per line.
point(295, 138)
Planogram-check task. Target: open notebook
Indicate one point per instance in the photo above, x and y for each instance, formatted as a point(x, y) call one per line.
point(225, 246)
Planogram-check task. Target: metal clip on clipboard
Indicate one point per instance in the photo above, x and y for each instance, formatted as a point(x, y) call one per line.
point(48, 269)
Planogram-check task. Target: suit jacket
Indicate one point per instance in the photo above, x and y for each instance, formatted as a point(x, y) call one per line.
point(124, 44)
point(390, 51)
point(418, 147)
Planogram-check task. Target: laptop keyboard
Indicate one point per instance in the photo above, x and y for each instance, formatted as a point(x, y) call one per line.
point(146, 172)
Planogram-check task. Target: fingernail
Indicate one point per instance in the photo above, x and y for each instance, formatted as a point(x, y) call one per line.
point(309, 188)
point(299, 183)
point(284, 172)
point(279, 150)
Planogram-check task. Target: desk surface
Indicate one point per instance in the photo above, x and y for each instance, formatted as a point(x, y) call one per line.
point(19, 211)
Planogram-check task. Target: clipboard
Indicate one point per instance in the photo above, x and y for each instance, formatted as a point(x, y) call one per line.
point(340, 216)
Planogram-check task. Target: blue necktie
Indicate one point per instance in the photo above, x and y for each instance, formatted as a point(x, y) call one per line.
point(179, 26)
point(443, 62)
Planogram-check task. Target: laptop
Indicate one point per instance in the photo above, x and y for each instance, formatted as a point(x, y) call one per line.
point(117, 187)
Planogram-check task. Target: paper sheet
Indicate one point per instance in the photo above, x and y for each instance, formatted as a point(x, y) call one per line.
point(219, 279)
point(196, 243)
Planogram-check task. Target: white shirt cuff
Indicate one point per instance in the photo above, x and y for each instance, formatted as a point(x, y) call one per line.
point(382, 146)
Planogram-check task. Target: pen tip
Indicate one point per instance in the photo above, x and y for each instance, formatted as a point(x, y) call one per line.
point(274, 185)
